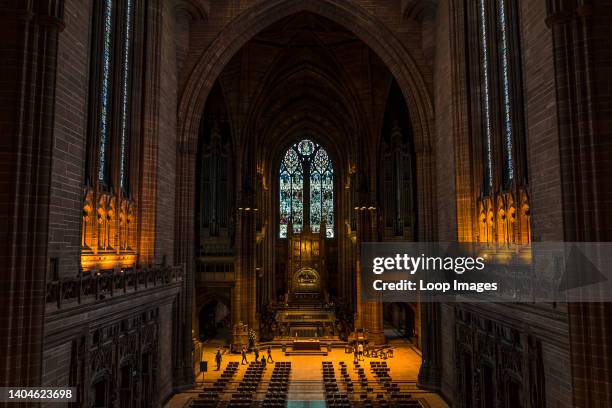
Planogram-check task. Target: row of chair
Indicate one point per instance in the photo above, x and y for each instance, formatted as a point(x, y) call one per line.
point(366, 389)
point(367, 396)
point(247, 388)
point(333, 397)
point(209, 397)
point(392, 397)
point(381, 371)
point(363, 378)
point(348, 383)
point(276, 397)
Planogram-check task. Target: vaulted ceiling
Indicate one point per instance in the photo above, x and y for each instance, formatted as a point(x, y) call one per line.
point(305, 76)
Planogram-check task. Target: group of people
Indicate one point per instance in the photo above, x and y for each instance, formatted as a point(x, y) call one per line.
point(256, 352)
point(219, 357)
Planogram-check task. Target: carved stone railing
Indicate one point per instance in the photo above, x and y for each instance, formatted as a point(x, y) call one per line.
point(96, 287)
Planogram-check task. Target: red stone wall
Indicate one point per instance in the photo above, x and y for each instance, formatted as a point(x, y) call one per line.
point(71, 109)
point(167, 142)
point(446, 126)
point(541, 123)
point(569, 159)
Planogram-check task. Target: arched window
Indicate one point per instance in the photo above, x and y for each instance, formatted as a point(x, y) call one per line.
point(105, 91)
point(306, 189)
point(507, 94)
point(110, 111)
point(497, 71)
point(126, 72)
point(486, 97)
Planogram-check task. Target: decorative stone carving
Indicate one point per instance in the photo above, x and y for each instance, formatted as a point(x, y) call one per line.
point(119, 344)
point(502, 221)
point(494, 344)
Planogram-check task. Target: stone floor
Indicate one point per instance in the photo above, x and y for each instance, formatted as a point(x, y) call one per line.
point(306, 385)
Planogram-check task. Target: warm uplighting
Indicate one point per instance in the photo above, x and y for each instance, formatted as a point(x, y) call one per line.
point(91, 261)
point(248, 209)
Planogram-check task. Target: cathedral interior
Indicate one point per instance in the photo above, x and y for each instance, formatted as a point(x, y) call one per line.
point(186, 184)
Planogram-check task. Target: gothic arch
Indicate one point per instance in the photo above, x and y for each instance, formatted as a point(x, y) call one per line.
point(206, 298)
point(352, 16)
point(228, 42)
point(203, 300)
point(236, 34)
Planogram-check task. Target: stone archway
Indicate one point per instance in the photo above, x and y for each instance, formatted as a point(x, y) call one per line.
point(208, 300)
point(212, 315)
point(367, 28)
point(348, 14)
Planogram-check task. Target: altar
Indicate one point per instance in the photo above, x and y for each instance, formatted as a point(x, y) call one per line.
point(306, 313)
point(307, 321)
point(306, 345)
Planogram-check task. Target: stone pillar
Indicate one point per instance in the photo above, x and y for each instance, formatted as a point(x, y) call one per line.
point(370, 313)
point(29, 31)
point(373, 322)
point(185, 256)
point(149, 144)
point(359, 300)
point(245, 292)
point(581, 33)
point(430, 373)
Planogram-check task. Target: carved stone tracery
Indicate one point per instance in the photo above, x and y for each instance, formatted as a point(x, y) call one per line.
point(123, 344)
point(109, 237)
point(499, 347)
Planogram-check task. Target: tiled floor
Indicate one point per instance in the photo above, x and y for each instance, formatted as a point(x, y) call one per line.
point(306, 386)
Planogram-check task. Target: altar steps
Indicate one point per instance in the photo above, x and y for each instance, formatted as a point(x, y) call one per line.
point(278, 343)
point(306, 353)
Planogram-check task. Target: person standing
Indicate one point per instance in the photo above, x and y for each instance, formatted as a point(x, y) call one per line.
point(256, 351)
point(270, 355)
point(360, 351)
point(244, 356)
point(218, 359)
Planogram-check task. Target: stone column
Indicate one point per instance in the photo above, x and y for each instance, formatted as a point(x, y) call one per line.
point(369, 313)
point(149, 144)
point(185, 256)
point(29, 31)
point(581, 32)
point(430, 373)
point(245, 291)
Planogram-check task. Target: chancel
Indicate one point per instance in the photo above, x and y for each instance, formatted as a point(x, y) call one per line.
point(189, 185)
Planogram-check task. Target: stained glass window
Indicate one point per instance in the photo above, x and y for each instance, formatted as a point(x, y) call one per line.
point(322, 193)
point(105, 88)
point(508, 134)
point(125, 95)
point(113, 43)
point(291, 192)
point(497, 65)
point(306, 189)
point(488, 148)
